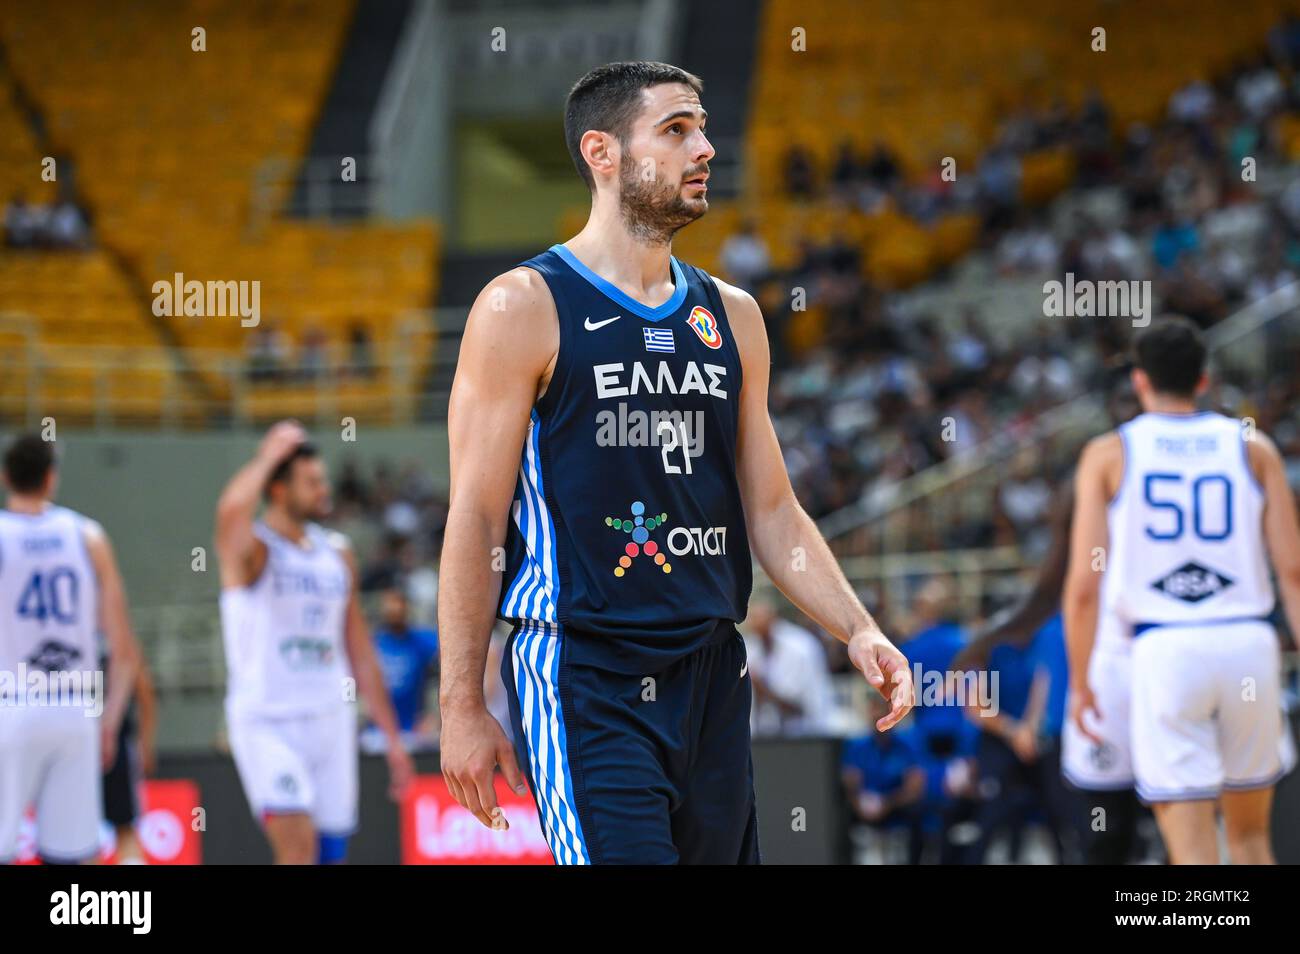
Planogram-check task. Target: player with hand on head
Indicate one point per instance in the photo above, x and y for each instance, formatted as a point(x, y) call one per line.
point(296, 645)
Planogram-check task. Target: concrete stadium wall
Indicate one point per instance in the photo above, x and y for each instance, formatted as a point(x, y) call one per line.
point(155, 493)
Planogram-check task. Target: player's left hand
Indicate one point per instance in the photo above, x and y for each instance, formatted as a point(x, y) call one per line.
point(885, 668)
point(401, 771)
point(1081, 701)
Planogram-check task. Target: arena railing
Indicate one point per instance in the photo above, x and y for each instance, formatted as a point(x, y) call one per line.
point(407, 380)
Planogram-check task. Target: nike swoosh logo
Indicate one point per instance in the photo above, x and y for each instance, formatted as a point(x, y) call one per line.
point(593, 325)
point(744, 669)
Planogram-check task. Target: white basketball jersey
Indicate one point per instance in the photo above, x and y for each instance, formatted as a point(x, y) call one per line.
point(49, 594)
point(1186, 526)
point(285, 653)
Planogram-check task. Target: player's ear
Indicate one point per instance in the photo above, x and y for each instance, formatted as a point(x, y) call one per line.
point(1202, 383)
point(601, 151)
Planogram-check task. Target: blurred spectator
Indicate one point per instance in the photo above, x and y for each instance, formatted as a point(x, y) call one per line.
point(847, 168)
point(407, 657)
point(1027, 247)
point(884, 780)
point(1272, 275)
point(1284, 42)
point(1193, 103)
point(882, 168)
point(67, 226)
point(800, 180)
point(22, 223)
point(1021, 503)
point(313, 355)
point(936, 638)
point(1018, 753)
point(1260, 91)
point(268, 354)
point(789, 673)
point(60, 226)
point(1173, 240)
point(745, 258)
point(360, 351)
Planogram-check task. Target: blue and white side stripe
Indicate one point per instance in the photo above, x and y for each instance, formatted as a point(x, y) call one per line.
point(532, 594)
point(536, 666)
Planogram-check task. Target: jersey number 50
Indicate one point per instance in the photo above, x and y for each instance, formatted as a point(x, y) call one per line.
point(1170, 486)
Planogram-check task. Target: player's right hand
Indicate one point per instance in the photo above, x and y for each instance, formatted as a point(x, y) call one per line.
point(1082, 700)
point(473, 744)
point(282, 440)
point(401, 771)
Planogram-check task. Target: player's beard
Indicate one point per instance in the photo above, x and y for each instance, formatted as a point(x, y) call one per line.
point(653, 211)
point(310, 512)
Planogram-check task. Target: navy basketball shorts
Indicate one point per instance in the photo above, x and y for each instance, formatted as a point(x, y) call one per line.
point(635, 769)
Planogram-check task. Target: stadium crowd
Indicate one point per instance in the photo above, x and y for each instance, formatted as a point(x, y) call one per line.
point(861, 411)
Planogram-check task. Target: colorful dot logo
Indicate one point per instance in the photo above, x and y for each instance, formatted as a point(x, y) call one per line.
point(638, 527)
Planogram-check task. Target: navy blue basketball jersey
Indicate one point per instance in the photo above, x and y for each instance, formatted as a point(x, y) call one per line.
point(627, 526)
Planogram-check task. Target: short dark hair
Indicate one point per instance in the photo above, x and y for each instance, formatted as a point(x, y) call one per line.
point(1172, 353)
point(608, 98)
point(304, 451)
point(28, 461)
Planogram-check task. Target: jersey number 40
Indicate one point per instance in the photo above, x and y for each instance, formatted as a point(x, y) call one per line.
point(50, 596)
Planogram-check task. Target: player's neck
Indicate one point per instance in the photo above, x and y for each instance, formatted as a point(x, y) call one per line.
point(1162, 404)
point(285, 525)
point(607, 247)
point(27, 503)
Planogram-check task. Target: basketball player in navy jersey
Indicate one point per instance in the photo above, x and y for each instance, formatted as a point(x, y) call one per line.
point(612, 463)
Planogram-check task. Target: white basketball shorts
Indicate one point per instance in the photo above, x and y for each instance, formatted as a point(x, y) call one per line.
point(1207, 714)
point(299, 764)
point(49, 760)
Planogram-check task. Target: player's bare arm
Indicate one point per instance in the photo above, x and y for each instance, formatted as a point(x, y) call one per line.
point(1281, 525)
point(115, 624)
point(146, 706)
point(507, 353)
point(241, 555)
point(1095, 484)
point(1017, 625)
point(370, 680)
point(779, 527)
